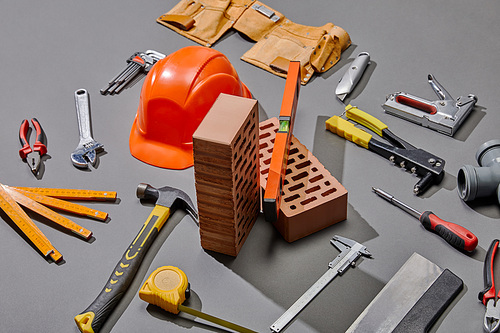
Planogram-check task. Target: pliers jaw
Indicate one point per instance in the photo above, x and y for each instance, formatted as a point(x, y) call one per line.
point(492, 316)
point(33, 160)
point(488, 296)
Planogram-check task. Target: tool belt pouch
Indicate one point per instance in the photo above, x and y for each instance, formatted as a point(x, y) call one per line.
point(203, 21)
point(280, 41)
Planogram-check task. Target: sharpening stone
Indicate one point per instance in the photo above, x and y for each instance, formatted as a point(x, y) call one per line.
point(411, 301)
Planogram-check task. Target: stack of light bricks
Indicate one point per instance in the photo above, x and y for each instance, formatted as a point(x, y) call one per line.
point(226, 167)
point(312, 199)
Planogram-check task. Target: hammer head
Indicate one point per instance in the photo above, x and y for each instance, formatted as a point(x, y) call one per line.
point(167, 196)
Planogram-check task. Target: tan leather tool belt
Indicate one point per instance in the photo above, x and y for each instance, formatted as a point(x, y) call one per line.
point(279, 40)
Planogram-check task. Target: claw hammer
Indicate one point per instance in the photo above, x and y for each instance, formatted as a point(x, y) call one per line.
point(167, 199)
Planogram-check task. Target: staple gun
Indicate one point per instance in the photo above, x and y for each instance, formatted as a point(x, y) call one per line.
point(444, 115)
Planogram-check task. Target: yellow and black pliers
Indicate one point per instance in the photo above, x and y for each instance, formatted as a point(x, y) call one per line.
point(418, 161)
point(32, 155)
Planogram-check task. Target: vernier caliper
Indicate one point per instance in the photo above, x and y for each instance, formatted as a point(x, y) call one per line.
point(350, 251)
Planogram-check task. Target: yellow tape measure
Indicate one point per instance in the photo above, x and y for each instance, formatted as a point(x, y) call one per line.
point(167, 287)
point(22, 220)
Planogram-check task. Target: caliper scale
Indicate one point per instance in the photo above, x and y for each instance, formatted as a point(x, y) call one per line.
point(350, 251)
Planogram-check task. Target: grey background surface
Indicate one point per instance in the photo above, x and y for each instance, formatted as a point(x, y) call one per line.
point(53, 48)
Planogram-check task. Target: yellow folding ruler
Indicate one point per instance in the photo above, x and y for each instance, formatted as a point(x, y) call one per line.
point(35, 199)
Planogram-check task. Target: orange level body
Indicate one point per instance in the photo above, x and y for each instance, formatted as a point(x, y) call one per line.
point(279, 157)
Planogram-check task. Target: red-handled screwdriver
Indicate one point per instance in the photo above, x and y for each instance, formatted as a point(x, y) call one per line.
point(453, 233)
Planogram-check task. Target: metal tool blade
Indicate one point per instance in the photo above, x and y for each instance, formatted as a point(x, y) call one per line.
point(398, 296)
point(352, 76)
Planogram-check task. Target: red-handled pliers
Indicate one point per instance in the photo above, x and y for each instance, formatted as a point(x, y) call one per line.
point(488, 296)
point(32, 156)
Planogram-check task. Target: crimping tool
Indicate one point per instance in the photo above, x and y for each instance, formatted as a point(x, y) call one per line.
point(418, 161)
point(444, 115)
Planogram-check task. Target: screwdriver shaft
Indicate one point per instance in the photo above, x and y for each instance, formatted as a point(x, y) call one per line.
point(413, 212)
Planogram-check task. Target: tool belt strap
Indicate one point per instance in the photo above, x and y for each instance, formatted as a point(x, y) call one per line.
point(279, 40)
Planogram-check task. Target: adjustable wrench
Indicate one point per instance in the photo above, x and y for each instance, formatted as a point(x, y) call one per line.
point(85, 152)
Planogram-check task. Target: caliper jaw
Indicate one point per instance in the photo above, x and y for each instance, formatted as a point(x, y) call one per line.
point(348, 248)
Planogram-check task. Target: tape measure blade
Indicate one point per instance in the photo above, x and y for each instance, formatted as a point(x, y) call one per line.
point(24, 223)
point(64, 205)
point(72, 194)
point(49, 214)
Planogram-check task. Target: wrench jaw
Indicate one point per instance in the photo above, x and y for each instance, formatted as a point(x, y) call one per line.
point(83, 156)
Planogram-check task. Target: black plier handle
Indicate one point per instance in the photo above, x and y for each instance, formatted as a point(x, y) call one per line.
point(26, 152)
point(488, 295)
point(418, 161)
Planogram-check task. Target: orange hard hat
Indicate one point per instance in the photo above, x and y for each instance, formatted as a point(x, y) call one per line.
point(176, 95)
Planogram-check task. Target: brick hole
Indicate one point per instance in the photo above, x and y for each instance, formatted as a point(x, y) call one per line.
point(285, 182)
point(288, 171)
point(239, 183)
point(243, 142)
point(330, 191)
point(270, 150)
point(301, 156)
point(252, 128)
point(291, 160)
point(267, 162)
point(272, 140)
point(293, 197)
point(263, 145)
point(300, 176)
point(235, 155)
point(297, 187)
point(238, 162)
point(293, 151)
point(314, 169)
point(303, 164)
point(237, 140)
point(250, 147)
point(327, 183)
point(308, 201)
point(263, 127)
point(293, 207)
point(265, 171)
point(264, 135)
point(244, 184)
point(254, 136)
point(237, 196)
point(313, 189)
point(276, 130)
point(246, 125)
point(315, 179)
point(261, 155)
point(247, 169)
point(241, 239)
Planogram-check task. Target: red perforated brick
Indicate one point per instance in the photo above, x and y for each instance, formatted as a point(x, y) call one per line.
point(312, 198)
point(226, 169)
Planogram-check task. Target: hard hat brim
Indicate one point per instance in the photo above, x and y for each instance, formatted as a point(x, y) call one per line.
point(157, 153)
